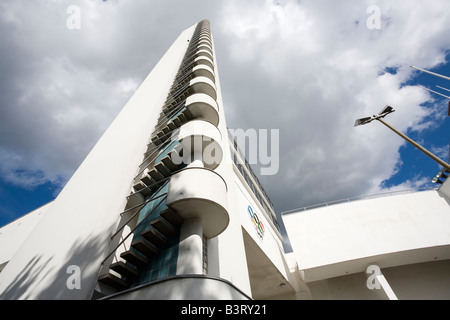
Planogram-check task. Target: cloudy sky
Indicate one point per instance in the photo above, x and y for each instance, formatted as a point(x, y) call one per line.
point(307, 68)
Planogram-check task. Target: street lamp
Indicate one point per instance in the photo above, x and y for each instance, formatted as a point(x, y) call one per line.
point(443, 174)
point(383, 113)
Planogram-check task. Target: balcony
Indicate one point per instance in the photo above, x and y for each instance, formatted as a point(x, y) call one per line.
point(197, 48)
point(178, 115)
point(205, 53)
point(160, 166)
point(203, 85)
point(204, 46)
point(204, 42)
point(189, 72)
point(196, 85)
point(196, 137)
point(203, 71)
point(203, 107)
point(198, 53)
point(198, 106)
point(199, 140)
point(200, 193)
point(204, 37)
point(191, 193)
point(185, 72)
point(204, 60)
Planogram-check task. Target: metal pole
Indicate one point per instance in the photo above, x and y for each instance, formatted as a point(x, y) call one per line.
point(443, 88)
point(415, 144)
point(443, 95)
point(433, 73)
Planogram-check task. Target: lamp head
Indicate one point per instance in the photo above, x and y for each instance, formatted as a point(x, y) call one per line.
point(360, 122)
point(386, 110)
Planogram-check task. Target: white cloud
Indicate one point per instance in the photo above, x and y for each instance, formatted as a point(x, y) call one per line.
point(308, 68)
point(319, 68)
point(441, 152)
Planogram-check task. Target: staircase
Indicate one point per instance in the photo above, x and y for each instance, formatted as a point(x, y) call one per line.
point(145, 245)
point(153, 235)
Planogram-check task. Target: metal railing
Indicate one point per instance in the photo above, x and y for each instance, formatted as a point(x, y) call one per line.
point(154, 197)
point(352, 199)
point(235, 146)
point(252, 181)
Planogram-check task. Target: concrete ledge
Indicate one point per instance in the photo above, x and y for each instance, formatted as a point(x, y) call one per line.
point(388, 231)
point(183, 287)
point(200, 193)
point(387, 260)
point(203, 107)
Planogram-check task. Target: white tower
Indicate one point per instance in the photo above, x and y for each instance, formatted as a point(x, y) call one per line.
point(163, 207)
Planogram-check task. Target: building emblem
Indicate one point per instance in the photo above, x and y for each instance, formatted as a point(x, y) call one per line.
point(259, 226)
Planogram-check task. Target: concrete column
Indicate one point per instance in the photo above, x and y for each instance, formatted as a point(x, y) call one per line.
point(190, 252)
point(376, 281)
point(197, 152)
point(197, 160)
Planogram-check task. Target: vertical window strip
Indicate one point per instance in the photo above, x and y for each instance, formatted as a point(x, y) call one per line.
point(205, 255)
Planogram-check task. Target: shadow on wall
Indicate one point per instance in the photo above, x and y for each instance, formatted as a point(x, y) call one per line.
point(75, 279)
point(183, 287)
point(443, 193)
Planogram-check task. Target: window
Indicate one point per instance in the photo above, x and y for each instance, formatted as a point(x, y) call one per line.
point(162, 265)
point(205, 255)
point(249, 176)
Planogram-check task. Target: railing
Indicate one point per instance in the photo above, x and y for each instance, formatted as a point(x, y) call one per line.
point(351, 199)
point(154, 197)
point(155, 152)
point(252, 181)
point(247, 165)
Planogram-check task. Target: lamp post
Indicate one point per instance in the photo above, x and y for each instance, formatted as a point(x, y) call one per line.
point(383, 113)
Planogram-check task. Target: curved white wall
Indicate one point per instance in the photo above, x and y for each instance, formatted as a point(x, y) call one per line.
point(188, 287)
point(200, 193)
point(388, 231)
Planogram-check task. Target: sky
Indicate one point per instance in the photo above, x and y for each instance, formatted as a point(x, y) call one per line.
point(306, 68)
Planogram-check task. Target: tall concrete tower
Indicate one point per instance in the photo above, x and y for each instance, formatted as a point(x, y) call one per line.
point(165, 206)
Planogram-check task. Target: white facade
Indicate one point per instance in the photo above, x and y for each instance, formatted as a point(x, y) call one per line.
point(165, 207)
point(403, 238)
point(14, 233)
point(76, 229)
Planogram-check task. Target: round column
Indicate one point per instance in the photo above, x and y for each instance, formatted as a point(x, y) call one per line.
point(190, 252)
